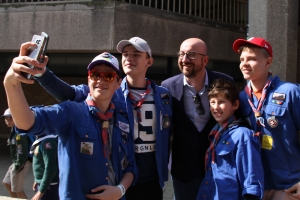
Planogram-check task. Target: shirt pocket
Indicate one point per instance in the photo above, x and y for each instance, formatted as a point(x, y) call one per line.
point(274, 115)
point(87, 142)
point(225, 156)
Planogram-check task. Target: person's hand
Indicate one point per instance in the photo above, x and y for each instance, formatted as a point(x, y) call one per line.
point(108, 193)
point(34, 186)
point(294, 191)
point(13, 76)
point(37, 196)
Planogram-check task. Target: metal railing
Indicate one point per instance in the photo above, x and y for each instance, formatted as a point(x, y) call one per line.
point(228, 11)
point(37, 1)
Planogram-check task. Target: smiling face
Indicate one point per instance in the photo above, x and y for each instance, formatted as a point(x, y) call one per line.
point(222, 109)
point(134, 62)
point(100, 89)
point(254, 65)
point(192, 67)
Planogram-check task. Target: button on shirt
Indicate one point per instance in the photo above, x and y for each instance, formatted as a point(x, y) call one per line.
point(190, 106)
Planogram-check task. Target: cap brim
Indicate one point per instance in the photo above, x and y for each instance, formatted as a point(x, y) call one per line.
point(99, 62)
point(6, 115)
point(238, 43)
point(122, 44)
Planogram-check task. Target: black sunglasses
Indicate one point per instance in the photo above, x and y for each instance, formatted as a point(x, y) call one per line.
point(197, 100)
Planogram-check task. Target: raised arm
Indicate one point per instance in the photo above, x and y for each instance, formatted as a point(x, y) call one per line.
point(19, 108)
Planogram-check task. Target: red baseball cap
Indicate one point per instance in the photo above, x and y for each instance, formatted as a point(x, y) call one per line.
point(259, 42)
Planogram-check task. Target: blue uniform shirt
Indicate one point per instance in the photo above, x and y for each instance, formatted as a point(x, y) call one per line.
point(82, 165)
point(280, 141)
point(237, 169)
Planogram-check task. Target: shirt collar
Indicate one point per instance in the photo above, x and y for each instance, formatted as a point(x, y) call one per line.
point(206, 84)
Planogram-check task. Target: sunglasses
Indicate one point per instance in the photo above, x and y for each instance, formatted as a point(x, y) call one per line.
point(197, 100)
point(106, 76)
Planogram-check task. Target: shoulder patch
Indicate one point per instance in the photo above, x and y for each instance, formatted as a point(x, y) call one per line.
point(47, 145)
point(18, 137)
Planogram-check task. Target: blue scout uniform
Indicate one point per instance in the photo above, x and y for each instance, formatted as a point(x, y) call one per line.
point(237, 169)
point(78, 129)
point(280, 141)
point(162, 100)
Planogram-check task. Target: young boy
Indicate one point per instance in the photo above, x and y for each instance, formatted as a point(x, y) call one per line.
point(95, 147)
point(15, 176)
point(45, 167)
point(272, 108)
point(233, 163)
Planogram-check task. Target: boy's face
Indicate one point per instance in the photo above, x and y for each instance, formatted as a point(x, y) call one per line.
point(222, 109)
point(254, 65)
point(134, 62)
point(9, 121)
point(101, 89)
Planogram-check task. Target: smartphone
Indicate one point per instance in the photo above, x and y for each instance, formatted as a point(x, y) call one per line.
point(38, 52)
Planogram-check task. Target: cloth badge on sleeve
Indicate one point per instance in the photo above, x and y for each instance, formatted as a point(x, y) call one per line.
point(278, 96)
point(18, 137)
point(48, 145)
point(165, 96)
point(87, 148)
point(123, 126)
point(19, 149)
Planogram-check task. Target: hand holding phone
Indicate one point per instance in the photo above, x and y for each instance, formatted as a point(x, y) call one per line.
point(38, 52)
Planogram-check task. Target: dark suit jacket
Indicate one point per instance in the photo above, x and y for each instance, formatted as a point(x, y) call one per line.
point(189, 145)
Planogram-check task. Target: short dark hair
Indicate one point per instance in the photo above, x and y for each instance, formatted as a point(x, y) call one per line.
point(225, 88)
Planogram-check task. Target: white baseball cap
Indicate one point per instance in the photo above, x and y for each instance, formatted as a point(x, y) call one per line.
point(138, 43)
point(6, 113)
point(105, 58)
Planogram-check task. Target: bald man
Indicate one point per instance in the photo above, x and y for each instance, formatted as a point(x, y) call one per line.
point(192, 121)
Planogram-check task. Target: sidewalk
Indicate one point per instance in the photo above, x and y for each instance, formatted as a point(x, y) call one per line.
point(5, 162)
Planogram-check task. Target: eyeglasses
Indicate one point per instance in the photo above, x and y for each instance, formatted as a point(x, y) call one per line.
point(197, 100)
point(107, 76)
point(190, 55)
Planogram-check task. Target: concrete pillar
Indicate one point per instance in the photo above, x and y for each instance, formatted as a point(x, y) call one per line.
point(277, 22)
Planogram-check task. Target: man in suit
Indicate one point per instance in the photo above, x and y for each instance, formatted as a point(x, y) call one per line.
point(192, 120)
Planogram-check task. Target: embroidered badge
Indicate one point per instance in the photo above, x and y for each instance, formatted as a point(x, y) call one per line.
point(87, 148)
point(48, 145)
point(272, 121)
point(277, 102)
point(18, 137)
point(267, 142)
point(278, 96)
point(166, 122)
point(165, 96)
point(123, 126)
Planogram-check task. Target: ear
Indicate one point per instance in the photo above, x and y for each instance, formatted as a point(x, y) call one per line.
point(236, 104)
point(269, 61)
point(150, 62)
point(205, 60)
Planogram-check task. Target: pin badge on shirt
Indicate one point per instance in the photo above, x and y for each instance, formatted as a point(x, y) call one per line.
point(166, 122)
point(86, 148)
point(272, 121)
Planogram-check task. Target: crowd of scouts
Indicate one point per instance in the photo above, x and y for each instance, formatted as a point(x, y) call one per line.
point(115, 137)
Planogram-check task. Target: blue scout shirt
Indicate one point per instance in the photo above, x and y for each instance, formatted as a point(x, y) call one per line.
point(162, 100)
point(82, 165)
point(280, 141)
point(237, 169)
